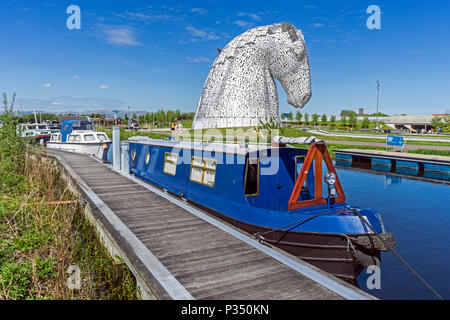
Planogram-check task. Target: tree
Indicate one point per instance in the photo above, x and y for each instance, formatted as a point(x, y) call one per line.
point(333, 120)
point(365, 122)
point(315, 119)
point(324, 119)
point(290, 116)
point(436, 122)
point(352, 119)
point(298, 116)
point(306, 118)
point(283, 116)
point(177, 114)
point(343, 121)
point(170, 116)
point(347, 113)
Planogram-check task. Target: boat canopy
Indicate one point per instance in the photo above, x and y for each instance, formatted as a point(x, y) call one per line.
point(69, 126)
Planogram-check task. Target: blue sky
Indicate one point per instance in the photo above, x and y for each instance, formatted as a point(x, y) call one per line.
point(152, 54)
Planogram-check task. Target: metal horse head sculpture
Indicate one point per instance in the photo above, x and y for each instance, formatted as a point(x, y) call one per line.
point(240, 89)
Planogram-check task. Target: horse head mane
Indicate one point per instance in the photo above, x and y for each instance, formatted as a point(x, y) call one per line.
point(250, 36)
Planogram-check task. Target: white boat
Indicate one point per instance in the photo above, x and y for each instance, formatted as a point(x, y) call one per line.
point(34, 132)
point(78, 135)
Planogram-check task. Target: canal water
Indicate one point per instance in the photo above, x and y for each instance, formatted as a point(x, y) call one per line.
point(418, 213)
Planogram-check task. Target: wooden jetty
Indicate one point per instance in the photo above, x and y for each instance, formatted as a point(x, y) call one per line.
point(157, 236)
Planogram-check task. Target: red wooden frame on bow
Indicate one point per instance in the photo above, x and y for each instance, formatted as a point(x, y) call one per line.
point(317, 151)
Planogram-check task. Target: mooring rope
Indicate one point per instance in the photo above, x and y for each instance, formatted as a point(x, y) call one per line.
point(398, 256)
point(259, 234)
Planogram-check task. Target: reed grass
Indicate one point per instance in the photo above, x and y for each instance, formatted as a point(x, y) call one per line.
point(43, 231)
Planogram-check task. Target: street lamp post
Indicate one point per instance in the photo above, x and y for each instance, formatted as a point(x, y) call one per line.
point(378, 98)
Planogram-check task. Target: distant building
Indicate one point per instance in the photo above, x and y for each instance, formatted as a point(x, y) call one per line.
point(361, 112)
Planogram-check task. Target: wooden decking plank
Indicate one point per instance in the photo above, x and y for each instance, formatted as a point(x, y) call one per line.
point(198, 253)
point(125, 187)
point(172, 249)
point(231, 276)
point(210, 254)
point(247, 288)
point(210, 263)
point(148, 211)
point(162, 228)
point(152, 219)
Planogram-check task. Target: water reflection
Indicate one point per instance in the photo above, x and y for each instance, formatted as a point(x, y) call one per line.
point(417, 212)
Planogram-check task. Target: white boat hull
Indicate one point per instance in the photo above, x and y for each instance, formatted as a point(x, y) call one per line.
point(96, 149)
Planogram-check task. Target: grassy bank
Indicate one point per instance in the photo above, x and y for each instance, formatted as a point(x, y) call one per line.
point(44, 233)
point(432, 152)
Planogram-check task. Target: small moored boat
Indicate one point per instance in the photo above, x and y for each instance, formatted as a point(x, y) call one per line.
point(276, 192)
point(77, 134)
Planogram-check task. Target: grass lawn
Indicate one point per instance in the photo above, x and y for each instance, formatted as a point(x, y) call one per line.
point(445, 153)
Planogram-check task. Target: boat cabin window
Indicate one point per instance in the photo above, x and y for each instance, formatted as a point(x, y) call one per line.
point(55, 137)
point(251, 182)
point(203, 171)
point(170, 163)
point(102, 137)
point(82, 125)
point(298, 167)
point(89, 137)
point(74, 138)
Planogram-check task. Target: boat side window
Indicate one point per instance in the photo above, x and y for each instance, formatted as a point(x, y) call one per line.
point(102, 137)
point(56, 137)
point(203, 171)
point(89, 137)
point(74, 138)
point(298, 166)
point(170, 163)
point(251, 183)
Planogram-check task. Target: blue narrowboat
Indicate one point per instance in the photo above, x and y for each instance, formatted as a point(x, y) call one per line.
point(285, 196)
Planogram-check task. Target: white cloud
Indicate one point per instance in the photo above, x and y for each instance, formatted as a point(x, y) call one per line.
point(202, 34)
point(76, 77)
point(120, 35)
point(198, 59)
point(317, 25)
point(69, 103)
point(199, 11)
point(243, 24)
point(253, 16)
point(144, 17)
point(47, 85)
point(104, 86)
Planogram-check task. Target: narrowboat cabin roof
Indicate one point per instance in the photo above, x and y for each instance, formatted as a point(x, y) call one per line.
point(242, 148)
